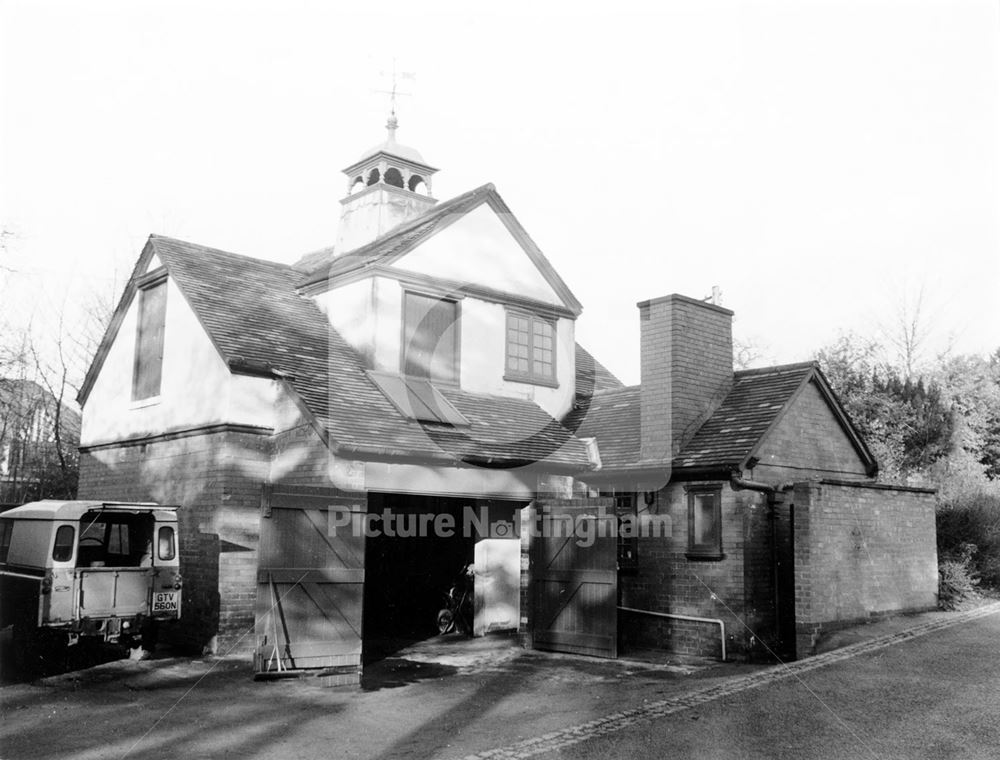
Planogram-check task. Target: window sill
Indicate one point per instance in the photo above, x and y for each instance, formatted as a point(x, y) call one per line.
point(143, 403)
point(531, 381)
point(705, 556)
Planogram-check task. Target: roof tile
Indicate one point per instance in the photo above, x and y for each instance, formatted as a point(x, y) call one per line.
point(725, 439)
point(256, 318)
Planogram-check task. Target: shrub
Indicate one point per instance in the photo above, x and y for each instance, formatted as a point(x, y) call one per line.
point(971, 519)
point(957, 580)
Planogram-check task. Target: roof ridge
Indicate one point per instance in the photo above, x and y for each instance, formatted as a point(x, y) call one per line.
point(775, 369)
point(608, 391)
point(212, 249)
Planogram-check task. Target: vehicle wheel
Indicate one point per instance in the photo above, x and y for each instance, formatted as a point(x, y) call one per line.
point(446, 621)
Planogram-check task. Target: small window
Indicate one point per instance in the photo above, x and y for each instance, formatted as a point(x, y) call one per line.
point(148, 366)
point(6, 528)
point(63, 549)
point(628, 540)
point(165, 543)
point(531, 349)
point(705, 523)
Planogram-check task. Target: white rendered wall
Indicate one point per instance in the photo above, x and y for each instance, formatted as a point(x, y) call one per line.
point(479, 249)
point(369, 315)
point(484, 355)
point(351, 310)
point(196, 387)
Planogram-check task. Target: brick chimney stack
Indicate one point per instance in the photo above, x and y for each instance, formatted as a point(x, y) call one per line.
point(687, 369)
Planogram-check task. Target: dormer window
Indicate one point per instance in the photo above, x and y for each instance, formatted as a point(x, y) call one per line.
point(147, 369)
point(531, 349)
point(430, 338)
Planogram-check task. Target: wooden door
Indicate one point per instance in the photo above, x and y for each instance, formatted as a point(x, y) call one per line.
point(310, 583)
point(575, 579)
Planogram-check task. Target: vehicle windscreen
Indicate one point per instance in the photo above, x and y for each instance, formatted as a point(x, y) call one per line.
point(115, 539)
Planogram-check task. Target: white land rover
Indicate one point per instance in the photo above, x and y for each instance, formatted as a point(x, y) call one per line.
point(76, 569)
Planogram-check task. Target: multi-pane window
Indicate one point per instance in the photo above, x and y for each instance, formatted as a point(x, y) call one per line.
point(430, 338)
point(148, 368)
point(531, 349)
point(705, 522)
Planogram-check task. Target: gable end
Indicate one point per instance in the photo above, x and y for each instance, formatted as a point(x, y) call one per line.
point(796, 412)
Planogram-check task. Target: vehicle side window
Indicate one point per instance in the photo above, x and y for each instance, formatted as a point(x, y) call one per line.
point(63, 549)
point(6, 528)
point(165, 543)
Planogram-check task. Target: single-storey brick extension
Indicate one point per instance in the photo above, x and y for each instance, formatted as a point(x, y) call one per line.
point(345, 434)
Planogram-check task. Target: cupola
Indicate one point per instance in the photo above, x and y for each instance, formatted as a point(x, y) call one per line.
point(388, 185)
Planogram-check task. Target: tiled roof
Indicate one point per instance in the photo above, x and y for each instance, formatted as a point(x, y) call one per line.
point(591, 375)
point(256, 319)
point(724, 440)
point(611, 416)
point(752, 405)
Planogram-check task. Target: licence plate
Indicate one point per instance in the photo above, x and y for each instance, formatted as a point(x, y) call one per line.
point(165, 601)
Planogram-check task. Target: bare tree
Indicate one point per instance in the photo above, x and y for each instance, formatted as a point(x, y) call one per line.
point(42, 367)
point(54, 377)
point(749, 352)
point(914, 330)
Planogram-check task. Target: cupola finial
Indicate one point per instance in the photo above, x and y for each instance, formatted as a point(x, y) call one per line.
point(392, 123)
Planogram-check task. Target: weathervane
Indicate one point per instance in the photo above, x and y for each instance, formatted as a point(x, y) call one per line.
point(405, 75)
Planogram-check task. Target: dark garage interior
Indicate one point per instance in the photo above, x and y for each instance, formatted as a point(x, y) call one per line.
point(408, 576)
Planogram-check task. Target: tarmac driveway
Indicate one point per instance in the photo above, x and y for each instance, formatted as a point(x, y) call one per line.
point(933, 696)
point(937, 696)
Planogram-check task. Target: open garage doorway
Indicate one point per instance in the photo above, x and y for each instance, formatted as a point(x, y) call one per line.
point(418, 547)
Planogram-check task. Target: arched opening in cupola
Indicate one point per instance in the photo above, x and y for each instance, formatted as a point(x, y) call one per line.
point(393, 177)
point(417, 184)
point(373, 176)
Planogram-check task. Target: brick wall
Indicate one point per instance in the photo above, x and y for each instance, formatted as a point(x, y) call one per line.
point(687, 368)
point(808, 442)
point(861, 550)
point(300, 458)
point(667, 581)
point(215, 478)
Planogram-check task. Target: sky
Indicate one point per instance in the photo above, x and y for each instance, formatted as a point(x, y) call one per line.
point(820, 162)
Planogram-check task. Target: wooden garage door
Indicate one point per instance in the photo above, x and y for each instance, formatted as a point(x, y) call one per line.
point(310, 584)
point(576, 585)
